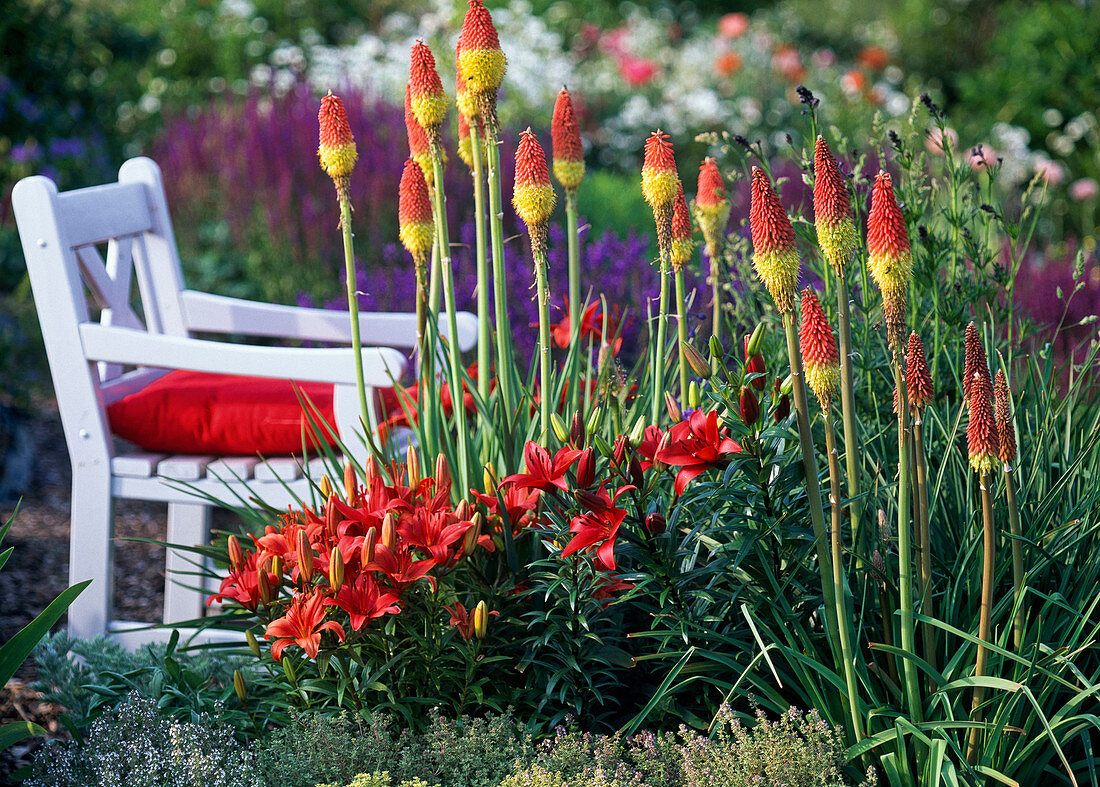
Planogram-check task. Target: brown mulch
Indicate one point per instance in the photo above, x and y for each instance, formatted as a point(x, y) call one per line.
point(38, 569)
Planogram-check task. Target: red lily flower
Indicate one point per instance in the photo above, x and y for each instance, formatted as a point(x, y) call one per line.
point(519, 504)
point(302, 626)
point(436, 533)
point(362, 601)
point(463, 620)
point(599, 525)
point(242, 585)
point(651, 438)
point(605, 589)
point(400, 568)
point(592, 324)
point(542, 471)
point(696, 445)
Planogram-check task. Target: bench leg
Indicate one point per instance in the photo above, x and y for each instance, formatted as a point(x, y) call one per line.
point(91, 550)
point(184, 597)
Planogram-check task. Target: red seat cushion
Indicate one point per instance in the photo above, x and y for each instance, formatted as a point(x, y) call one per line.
point(188, 412)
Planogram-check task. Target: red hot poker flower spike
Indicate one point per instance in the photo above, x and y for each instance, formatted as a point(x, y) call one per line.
point(568, 151)
point(336, 148)
point(918, 377)
point(533, 197)
point(659, 178)
point(819, 353)
point(414, 211)
point(836, 232)
point(981, 430)
point(889, 258)
point(480, 57)
point(1005, 432)
point(974, 360)
point(774, 253)
point(682, 245)
point(419, 148)
point(427, 100)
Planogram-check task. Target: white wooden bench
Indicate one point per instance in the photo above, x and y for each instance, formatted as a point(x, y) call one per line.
point(97, 362)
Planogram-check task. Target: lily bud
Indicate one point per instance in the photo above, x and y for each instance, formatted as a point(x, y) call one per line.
point(253, 645)
point(489, 479)
point(561, 431)
point(694, 396)
point(370, 474)
point(787, 385)
point(366, 552)
point(336, 569)
point(749, 406)
point(636, 476)
point(655, 524)
point(350, 483)
point(277, 569)
point(782, 409)
point(462, 511)
point(586, 468)
point(716, 348)
point(755, 340)
point(696, 361)
point(289, 671)
point(239, 687)
point(674, 413)
point(263, 586)
point(442, 473)
point(754, 364)
point(332, 517)
point(326, 487)
point(595, 418)
point(601, 445)
point(576, 429)
point(666, 441)
point(619, 451)
point(481, 619)
point(637, 433)
point(590, 500)
point(236, 554)
point(469, 541)
point(412, 465)
point(305, 557)
point(389, 531)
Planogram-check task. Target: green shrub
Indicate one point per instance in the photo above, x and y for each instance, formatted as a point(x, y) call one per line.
point(135, 746)
point(377, 779)
point(470, 752)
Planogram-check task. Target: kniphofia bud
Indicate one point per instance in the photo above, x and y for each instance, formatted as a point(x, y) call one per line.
point(480, 57)
point(305, 556)
point(982, 440)
point(748, 405)
point(426, 97)
point(1006, 434)
point(974, 360)
point(336, 147)
point(918, 377)
point(774, 252)
point(414, 212)
point(533, 197)
point(336, 569)
point(682, 245)
point(412, 465)
point(659, 178)
point(888, 257)
point(819, 353)
point(836, 231)
point(712, 206)
point(481, 614)
point(236, 554)
point(566, 136)
point(350, 483)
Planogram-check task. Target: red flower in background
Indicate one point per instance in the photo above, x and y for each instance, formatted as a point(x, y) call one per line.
point(637, 71)
point(592, 325)
point(543, 472)
point(302, 626)
point(363, 601)
point(696, 445)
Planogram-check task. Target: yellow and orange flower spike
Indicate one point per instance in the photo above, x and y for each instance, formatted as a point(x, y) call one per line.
point(836, 231)
point(982, 440)
point(566, 136)
point(889, 258)
point(419, 148)
point(820, 357)
point(414, 212)
point(426, 98)
point(659, 178)
point(336, 147)
point(712, 206)
point(774, 252)
point(974, 360)
point(533, 196)
point(465, 100)
point(682, 245)
point(918, 377)
point(480, 58)
point(1005, 433)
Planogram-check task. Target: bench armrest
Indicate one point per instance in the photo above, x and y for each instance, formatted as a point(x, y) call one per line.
point(112, 344)
point(219, 314)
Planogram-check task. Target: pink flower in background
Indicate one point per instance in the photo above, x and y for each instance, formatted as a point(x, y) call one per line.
point(1051, 171)
point(1084, 189)
point(853, 81)
point(615, 41)
point(982, 155)
point(788, 62)
point(637, 71)
point(733, 25)
point(823, 58)
point(934, 141)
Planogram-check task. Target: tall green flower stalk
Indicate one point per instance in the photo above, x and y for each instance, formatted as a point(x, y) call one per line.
point(775, 258)
point(470, 144)
point(680, 252)
point(659, 186)
point(918, 382)
point(1006, 441)
point(891, 265)
point(837, 237)
point(983, 445)
point(336, 150)
point(429, 105)
point(533, 199)
point(821, 363)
